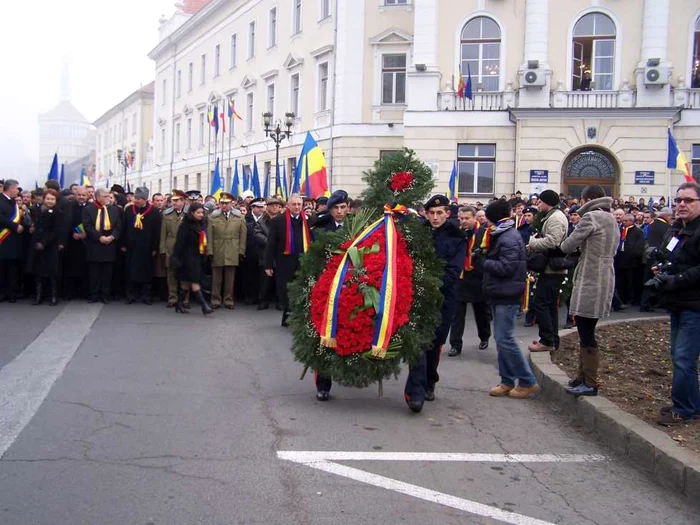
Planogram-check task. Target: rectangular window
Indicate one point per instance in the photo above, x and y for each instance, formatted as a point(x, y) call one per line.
point(177, 137)
point(250, 112)
point(271, 99)
point(165, 86)
point(295, 94)
point(160, 185)
point(251, 39)
point(179, 83)
point(203, 75)
point(296, 20)
point(189, 134)
point(187, 182)
point(234, 51)
point(201, 130)
point(134, 124)
point(325, 9)
point(217, 60)
point(396, 2)
point(162, 142)
point(190, 78)
point(476, 168)
point(291, 168)
point(323, 86)
point(199, 182)
point(696, 162)
point(272, 42)
point(384, 153)
point(393, 79)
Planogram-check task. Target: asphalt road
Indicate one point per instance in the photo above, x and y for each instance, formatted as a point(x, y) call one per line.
point(137, 415)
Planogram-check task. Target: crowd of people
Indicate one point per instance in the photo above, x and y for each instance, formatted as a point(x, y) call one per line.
point(510, 258)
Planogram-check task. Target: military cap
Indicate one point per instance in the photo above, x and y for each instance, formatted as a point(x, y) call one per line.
point(324, 200)
point(435, 201)
point(338, 197)
point(532, 210)
point(260, 202)
point(274, 200)
point(226, 198)
point(193, 194)
point(178, 194)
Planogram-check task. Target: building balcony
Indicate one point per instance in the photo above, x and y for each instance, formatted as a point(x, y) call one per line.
point(593, 99)
point(482, 101)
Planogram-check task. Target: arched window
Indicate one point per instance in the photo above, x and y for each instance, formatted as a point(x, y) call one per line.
point(593, 65)
point(696, 56)
point(480, 53)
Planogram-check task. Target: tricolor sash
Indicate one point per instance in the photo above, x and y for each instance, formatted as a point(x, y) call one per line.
point(102, 222)
point(138, 217)
point(305, 234)
point(16, 217)
point(202, 242)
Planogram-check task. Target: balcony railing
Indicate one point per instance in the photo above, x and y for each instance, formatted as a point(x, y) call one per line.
point(482, 101)
point(592, 99)
point(693, 98)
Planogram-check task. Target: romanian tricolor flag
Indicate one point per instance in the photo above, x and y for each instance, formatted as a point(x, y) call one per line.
point(16, 217)
point(676, 159)
point(217, 186)
point(461, 85)
point(452, 186)
point(311, 177)
point(232, 110)
point(235, 182)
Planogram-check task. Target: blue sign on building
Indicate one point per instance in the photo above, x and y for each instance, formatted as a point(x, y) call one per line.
point(539, 176)
point(644, 177)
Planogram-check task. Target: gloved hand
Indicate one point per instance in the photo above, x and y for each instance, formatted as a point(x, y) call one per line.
point(667, 283)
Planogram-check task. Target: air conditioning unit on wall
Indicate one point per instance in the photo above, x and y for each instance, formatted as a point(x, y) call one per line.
point(656, 75)
point(533, 78)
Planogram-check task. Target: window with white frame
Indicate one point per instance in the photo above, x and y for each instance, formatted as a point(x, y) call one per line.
point(271, 99)
point(294, 93)
point(201, 129)
point(198, 178)
point(325, 9)
point(203, 75)
point(250, 112)
point(134, 123)
point(162, 142)
point(480, 51)
point(187, 181)
point(177, 137)
point(593, 53)
point(234, 51)
point(323, 86)
point(165, 86)
point(394, 78)
point(695, 162)
point(217, 60)
point(179, 83)
point(190, 77)
point(397, 2)
point(296, 17)
point(695, 71)
point(251, 39)
point(189, 133)
point(272, 38)
point(476, 168)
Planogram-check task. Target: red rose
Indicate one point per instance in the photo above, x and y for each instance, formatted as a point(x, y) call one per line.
point(401, 181)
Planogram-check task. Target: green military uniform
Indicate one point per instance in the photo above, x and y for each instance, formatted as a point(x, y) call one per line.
point(168, 234)
point(227, 234)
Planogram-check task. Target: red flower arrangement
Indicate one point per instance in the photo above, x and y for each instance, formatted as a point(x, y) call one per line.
point(355, 324)
point(401, 181)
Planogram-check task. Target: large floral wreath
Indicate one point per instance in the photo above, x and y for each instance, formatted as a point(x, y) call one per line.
point(353, 356)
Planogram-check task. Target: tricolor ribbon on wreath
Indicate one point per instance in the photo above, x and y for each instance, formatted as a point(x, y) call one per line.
point(385, 321)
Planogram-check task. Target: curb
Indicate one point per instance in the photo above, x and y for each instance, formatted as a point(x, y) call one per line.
point(647, 448)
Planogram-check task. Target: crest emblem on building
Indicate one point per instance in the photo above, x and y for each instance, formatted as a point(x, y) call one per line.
point(592, 132)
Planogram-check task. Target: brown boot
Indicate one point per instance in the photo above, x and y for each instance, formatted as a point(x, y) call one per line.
point(539, 347)
point(578, 380)
point(523, 392)
point(589, 365)
point(500, 390)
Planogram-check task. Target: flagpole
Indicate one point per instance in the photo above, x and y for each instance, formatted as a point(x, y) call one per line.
point(230, 136)
point(216, 141)
point(208, 148)
point(223, 134)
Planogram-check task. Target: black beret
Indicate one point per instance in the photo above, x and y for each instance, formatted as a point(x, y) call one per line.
point(437, 200)
point(338, 197)
point(322, 200)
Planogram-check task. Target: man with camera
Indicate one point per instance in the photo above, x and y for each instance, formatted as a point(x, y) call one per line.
point(677, 279)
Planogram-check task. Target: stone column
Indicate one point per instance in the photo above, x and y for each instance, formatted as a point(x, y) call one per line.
point(654, 45)
point(535, 48)
point(423, 86)
point(349, 52)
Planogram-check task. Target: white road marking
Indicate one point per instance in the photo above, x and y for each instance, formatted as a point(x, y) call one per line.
point(323, 460)
point(26, 381)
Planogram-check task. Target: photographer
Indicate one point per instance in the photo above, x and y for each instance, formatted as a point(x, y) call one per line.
point(678, 284)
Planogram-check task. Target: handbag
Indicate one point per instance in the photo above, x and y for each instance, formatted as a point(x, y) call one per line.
point(537, 262)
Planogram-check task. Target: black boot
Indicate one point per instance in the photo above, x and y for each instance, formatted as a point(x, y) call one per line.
point(206, 309)
point(285, 315)
point(37, 299)
point(54, 292)
point(179, 307)
point(146, 295)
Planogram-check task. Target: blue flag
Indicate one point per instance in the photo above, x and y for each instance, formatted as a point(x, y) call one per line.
point(266, 191)
point(468, 88)
point(235, 182)
point(62, 179)
point(53, 172)
point(452, 186)
point(128, 187)
point(255, 182)
point(246, 178)
point(217, 186)
point(285, 181)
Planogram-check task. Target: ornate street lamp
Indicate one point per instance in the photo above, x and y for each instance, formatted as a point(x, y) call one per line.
point(126, 159)
point(277, 134)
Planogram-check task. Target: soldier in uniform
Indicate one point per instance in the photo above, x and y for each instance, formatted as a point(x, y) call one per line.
point(172, 217)
point(10, 235)
point(103, 227)
point(227, 244)
point(141, 241)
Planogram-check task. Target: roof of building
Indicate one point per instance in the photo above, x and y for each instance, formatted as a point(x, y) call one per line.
point(146, 93)
point(199, 11)
point(190, 7)
point(63, 111)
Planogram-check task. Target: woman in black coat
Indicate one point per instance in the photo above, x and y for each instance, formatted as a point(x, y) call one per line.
point(188, 257)
point(44, 260)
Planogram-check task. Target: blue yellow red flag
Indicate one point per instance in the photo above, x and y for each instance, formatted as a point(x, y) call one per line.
point(452, 186)
point(311, 176)
point(676, 159)
point(217, 186)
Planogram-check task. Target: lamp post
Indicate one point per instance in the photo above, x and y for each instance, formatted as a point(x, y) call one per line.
point(277, 134)
point(125, 159)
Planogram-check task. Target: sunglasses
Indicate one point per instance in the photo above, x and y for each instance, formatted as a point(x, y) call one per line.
point(685, 200)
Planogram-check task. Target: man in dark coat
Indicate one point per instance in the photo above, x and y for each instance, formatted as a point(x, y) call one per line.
point(140, 241)
point(655, 227)
point(451, 247)
point(11, 229)
point(284, 245)
point(469, 285)
point(629, 256)
point(103, 226)
point(75, 269)
point(332, 221)
point(249, 267)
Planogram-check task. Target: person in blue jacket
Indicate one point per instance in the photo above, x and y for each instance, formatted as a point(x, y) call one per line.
point(451, 247)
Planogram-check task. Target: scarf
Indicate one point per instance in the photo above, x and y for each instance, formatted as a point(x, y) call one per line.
point(623, 238)
point(289, 248)
point(202, 242)
point(138, 217)
point(16, 217)
point(102, 222)
point(468, 263)
point(486, 241)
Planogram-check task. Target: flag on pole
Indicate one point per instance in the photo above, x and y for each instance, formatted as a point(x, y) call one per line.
point(452, 186)
point(84, 178)
point(235, 181)
point(210, 116)
point(232, 110)
point(285, 183)
point(217, 186)
point(266, 191)
point(62, 178)
point(53, 172)
point(215, 121)
point(255, 182)
point(223, 121)
point(468, 87)
point(279, 190)
point(311, 176)
point(246, 178)
point(128, 187)
point(676, 159)
point(460, 84)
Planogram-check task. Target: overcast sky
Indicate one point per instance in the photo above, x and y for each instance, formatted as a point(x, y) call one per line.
point(106, 43)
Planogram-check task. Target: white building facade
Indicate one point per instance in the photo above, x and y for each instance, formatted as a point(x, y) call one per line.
point(564, 93)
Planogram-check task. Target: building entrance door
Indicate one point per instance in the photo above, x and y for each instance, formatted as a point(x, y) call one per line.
point(587, 167)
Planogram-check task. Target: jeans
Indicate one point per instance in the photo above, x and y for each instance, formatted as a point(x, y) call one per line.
point(685, 392)
point(512, 364)
point(545, 306)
